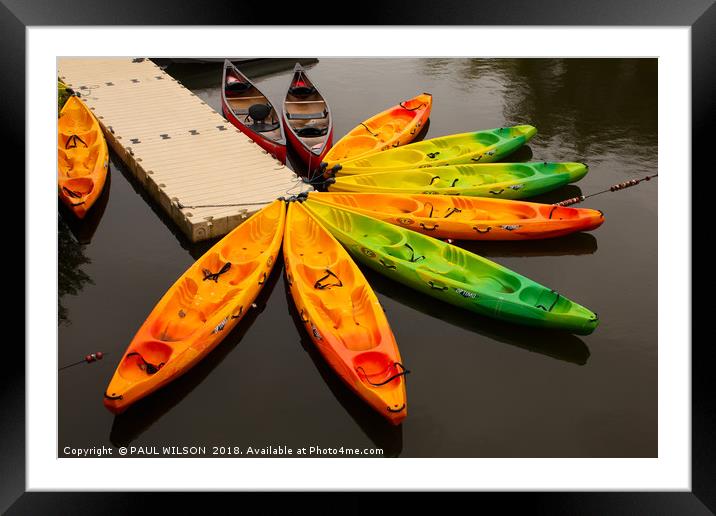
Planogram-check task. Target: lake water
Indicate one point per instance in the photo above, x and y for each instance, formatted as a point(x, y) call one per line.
point(478, 388)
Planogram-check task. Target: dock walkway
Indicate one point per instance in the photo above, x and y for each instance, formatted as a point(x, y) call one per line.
point(206, 174)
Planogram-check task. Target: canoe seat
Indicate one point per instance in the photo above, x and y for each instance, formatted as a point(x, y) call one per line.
point(307, 116)
point(309, 131)
point(262, 127)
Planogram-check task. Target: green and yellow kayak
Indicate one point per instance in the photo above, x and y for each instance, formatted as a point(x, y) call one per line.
point(476, 147)
point(497, 180)
point(452, 274)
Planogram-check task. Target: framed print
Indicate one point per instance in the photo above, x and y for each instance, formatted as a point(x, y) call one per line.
point(430, 256)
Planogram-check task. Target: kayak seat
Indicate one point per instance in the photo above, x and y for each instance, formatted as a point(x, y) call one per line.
point(374, 367)
point(545, 299)
point(307, 116)
point(77, 187)
point(135, 366)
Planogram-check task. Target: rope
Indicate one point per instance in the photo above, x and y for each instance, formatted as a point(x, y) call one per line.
point(148, 367)
point(413, 259)
point(71, 142)
point(397, 375)
point(229, 205)
point(88, 359)
point(208, 275)
point(613, 188)
point(368, 129)
point(318, 285)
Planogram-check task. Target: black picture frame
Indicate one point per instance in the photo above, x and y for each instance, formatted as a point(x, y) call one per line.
point(699, 15)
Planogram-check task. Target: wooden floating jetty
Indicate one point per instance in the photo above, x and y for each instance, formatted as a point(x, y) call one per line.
point(204, 173)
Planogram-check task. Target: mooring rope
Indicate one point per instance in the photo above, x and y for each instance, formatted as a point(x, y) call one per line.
point(613, 188)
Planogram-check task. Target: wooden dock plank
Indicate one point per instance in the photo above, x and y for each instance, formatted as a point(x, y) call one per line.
point(182, 151)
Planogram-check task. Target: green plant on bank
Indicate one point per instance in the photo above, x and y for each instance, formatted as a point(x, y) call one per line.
point(63, 93)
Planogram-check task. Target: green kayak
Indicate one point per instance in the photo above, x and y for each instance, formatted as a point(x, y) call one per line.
point(498, 180)
point(452, 274)
point(476, 147)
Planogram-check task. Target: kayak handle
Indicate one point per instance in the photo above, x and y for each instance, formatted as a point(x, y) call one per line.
point(477, 158)
point(401, 373)
point(303, 320)
point(497, 193)
point(263, 279)
point(482, 230)
point(451, 211)
point(433, 180)
point(436, 226)
point(553, 302)
point(241, 311)
point(289, 278)
point(433, 154)
point(552, 211)
point(432, 285)
point(402, 104)
point(388, 265)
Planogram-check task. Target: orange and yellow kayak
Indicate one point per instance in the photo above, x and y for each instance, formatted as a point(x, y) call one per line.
point(342, 314)
point(393, 127)
point(200, 309)
point(82, 157)
point(467, 218)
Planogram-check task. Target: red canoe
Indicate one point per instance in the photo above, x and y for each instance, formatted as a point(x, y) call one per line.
point(252, 112)
point(307, 118)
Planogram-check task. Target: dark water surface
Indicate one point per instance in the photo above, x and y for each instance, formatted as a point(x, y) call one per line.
point(478, 388)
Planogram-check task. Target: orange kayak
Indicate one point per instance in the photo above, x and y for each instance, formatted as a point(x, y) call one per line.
point(342, 314)
point(200, 309)
point(82, 157)
point(393, 127)
point(467, 218)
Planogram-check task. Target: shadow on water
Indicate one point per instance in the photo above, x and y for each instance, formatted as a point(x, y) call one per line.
point(554, 344)
point(570, 245)
point(381, 432)
point(141, 416)
point(84, 229)
point(71, 279)
point(521, 155)
point(195, 249)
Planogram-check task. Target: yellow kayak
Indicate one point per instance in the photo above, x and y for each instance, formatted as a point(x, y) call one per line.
point(395, 126)
point(200, 309)
point(475, 147)
point(82, 157)
point(342, 314)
